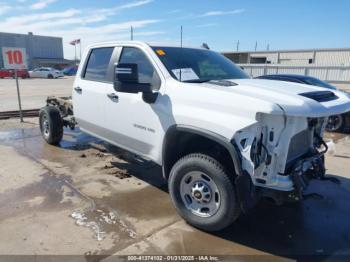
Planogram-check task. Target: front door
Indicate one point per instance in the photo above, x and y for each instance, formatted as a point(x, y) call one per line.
point(36, 72)
point(131, 122)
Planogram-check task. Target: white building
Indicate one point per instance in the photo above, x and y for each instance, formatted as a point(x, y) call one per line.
point(328, 64)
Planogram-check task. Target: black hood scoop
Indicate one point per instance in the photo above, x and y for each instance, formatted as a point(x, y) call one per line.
point(320, 96)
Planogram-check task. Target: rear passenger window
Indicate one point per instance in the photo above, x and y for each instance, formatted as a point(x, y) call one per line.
point(97, 65)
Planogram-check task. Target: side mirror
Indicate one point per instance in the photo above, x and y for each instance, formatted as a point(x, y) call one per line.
point(126, 79)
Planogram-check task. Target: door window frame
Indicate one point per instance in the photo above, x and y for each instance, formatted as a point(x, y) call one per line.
point(110, 68)
point(150, 59)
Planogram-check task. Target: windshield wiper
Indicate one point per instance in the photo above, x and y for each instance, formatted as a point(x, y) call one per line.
point(222, 82)
point(196, 81)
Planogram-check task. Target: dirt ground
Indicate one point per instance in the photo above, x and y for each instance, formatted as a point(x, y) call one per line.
point(86, 198)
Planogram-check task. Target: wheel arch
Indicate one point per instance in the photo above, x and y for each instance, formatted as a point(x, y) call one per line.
point(175, 130)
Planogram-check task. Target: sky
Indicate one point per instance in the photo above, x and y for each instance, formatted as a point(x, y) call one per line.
point(279, 24)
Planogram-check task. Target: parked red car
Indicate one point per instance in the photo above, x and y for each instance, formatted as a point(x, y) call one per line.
point(5, 73)
point(23, 73)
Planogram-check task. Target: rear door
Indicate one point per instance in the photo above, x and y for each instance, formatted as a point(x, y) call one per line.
point(90, 90)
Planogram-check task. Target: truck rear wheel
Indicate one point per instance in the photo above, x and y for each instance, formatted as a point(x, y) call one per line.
point(203, 193)
point(51, 124)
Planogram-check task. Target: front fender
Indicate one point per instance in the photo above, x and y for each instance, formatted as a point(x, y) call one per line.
point(226, 143)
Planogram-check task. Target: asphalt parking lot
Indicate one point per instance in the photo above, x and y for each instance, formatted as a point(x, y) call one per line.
point(33, 91)
point(88, 198)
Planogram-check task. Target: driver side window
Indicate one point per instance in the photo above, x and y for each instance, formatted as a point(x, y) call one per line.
point(146, 72)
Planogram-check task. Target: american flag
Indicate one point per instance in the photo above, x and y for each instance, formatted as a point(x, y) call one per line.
point(75, 42)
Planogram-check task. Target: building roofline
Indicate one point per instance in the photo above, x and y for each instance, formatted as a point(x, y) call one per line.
point(28, 34)
point(288, 51)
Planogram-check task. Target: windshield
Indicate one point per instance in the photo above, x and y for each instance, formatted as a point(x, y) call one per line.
point(198, 65)
point(318, 82)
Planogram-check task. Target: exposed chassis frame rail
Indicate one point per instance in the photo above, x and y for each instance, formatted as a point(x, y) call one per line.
point(65, 106)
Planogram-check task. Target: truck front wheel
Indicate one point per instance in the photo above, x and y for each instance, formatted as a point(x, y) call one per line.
point(51, 124)
point(203, 193)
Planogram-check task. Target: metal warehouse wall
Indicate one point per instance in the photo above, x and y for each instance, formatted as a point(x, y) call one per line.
point(327, 64)
point(335, 58)
point(316, 57)
point(46, 47)
point(36, 46)
point(272, 57)
point(300, 58)
point(328, 73)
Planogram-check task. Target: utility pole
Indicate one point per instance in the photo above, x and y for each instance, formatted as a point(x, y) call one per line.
point(131, 33)
point(181, 37)
point(237, 48)
point(75, 53)
point(181, 44)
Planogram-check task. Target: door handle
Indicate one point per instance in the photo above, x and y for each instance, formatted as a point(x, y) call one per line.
point(113, 97)
point(78, 89)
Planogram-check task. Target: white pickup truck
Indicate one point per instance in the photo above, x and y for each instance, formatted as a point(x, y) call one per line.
point(223, 140)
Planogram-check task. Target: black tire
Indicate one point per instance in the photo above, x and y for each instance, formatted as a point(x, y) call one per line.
point(51, 125)
point(50, 76)
point(229, 207)
point(335, 123)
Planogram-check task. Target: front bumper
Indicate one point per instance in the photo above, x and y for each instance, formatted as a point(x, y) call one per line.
point(304, 171)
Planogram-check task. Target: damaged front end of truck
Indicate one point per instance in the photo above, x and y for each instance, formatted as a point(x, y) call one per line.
point(282, 153)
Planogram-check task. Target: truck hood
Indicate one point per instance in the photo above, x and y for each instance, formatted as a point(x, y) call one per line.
point(285, 95)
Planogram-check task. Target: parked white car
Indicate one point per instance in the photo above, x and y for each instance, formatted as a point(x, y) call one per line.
point(45, 72)
point(223, 140)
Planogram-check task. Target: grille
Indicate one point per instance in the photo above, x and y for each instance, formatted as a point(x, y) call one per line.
point(320, 96)
point(299, 146)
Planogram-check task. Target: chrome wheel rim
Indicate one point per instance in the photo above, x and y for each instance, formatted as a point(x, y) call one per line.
point(334, 122)
point(200, 194)
point(46, 127)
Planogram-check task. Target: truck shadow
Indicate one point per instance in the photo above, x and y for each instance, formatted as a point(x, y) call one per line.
point(312, 229)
